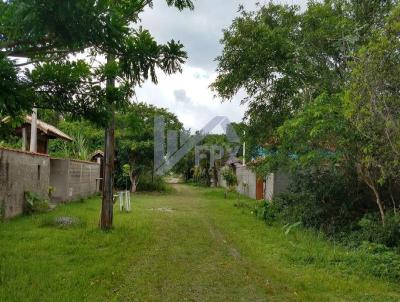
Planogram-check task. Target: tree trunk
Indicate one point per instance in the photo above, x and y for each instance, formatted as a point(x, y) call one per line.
point(370, 183)
point(108, 184)
point(106, 220)
point(134, 182)
point(392, 198)
point(379, 203)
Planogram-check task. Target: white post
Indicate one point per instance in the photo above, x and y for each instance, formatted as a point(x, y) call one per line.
point(24, 138)
point(121, 201)
point(33, 144)
point(244, 148)
point(128, 201)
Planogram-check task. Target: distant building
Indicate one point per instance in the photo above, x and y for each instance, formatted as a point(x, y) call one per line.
point(98, 157)
point(255, 187)
point(45, 132)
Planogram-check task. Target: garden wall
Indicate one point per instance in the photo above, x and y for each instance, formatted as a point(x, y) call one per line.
point(20, 172)
point(276, 184)
point(247, 181)
point(72, 179)
point(248, 185)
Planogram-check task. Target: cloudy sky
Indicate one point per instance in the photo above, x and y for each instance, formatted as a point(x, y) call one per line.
point(188, 94)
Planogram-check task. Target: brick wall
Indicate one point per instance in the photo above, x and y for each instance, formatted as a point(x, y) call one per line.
point(21, 172)
point(72, 179)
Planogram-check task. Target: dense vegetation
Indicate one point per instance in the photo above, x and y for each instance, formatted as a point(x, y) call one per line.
point(134, 141)
point(321, 85)
point(85, 58)
point(323, 94)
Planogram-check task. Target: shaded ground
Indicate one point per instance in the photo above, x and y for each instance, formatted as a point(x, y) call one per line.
point(191, 245)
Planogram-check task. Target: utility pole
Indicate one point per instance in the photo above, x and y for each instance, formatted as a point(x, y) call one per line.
point(33, 143)
point(244, 148)
point(106, 220)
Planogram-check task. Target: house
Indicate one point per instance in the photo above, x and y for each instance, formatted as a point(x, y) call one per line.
point(249, 184)
point(254, 187)
point(45, 132)
point(98, 157)
point(58, 179)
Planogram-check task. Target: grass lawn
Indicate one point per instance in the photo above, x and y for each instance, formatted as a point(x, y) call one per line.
point(190, 245)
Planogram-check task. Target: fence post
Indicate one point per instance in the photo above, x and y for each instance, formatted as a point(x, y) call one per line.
point(121, 201)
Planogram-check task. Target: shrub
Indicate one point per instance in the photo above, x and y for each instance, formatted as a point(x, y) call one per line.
point(157, 184)
point(323, 200)
point(272, 211)
point(371, 229)
point(34, 203)
point(229, 176)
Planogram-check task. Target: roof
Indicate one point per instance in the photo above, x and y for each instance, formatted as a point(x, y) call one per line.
point(97, 153)
point(233, 161)
point(49, 130)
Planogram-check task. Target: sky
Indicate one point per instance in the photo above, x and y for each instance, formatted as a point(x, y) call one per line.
point(188, 94)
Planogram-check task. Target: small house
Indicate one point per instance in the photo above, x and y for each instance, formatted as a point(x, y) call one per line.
point(255, 187)
point(45, 132)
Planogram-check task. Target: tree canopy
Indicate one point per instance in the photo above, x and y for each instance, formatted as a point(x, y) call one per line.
point(53, 37)
point(87, 58)
point(322, 89)
point(135, 138)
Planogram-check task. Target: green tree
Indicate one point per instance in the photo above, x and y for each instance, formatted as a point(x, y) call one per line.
point(135, 138)
point(88, 137)
point(373, 102)
point(49, 35)
point(284, 58)
point(296, 66)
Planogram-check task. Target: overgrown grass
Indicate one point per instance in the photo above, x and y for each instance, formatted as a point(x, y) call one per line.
point(201, 249)
point(365, 258)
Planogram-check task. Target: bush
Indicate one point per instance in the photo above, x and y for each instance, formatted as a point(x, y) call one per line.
point(323, 200)
point(157, 184)
point(229, 176)
point(35, 204)
point(371, 229)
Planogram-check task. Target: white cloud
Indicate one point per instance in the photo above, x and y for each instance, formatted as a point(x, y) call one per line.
point(189, 97)
point(188, 94)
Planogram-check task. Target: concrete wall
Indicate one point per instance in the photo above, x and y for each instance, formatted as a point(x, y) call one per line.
point(276, 184)
point(247, 181)
point(72, 179)
point(21, 172)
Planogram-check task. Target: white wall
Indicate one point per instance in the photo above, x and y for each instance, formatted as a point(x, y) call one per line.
point(276, 183)
point(247, 181)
